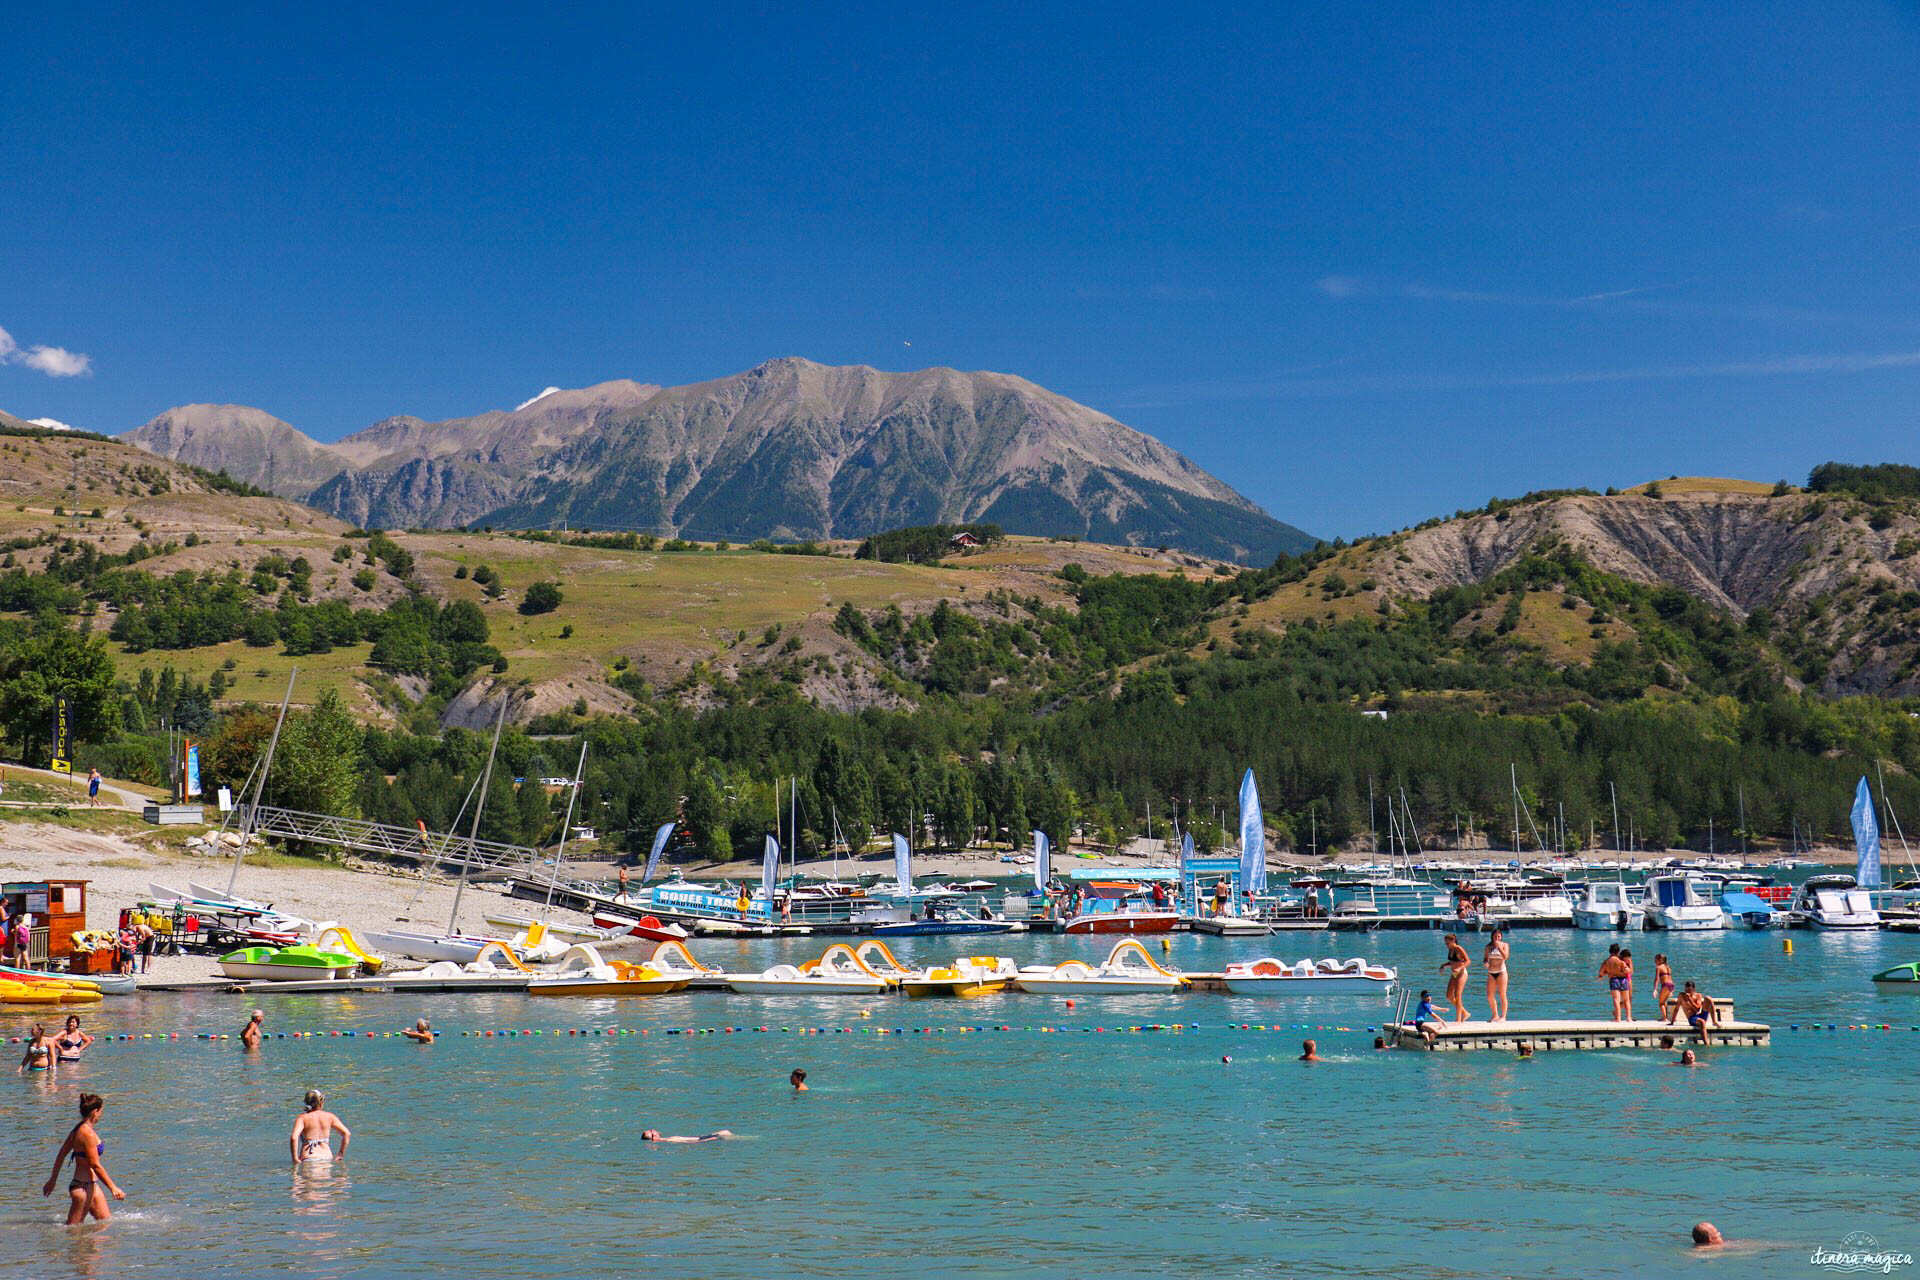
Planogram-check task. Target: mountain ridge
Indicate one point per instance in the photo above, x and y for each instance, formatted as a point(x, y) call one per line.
point(789, 448)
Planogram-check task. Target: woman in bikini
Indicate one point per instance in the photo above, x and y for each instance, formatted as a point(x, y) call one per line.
point(87, 1193)
point(72, 1041)
point(39, 1055)
point(1663, 984)
point(1626, 958)
point(313, 1130)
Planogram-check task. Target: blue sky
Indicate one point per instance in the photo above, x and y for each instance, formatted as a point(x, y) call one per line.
point(1368, 263)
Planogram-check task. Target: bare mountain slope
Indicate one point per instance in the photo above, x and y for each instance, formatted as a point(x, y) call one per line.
point(789, 448)
point(248, 444)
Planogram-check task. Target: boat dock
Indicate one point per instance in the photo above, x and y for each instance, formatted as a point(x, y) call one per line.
point(1547, 1034)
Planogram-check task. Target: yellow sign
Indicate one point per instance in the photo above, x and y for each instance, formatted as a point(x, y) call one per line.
point(62, 736)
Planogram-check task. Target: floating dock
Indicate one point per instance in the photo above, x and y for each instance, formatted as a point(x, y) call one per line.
point(1548, 1034)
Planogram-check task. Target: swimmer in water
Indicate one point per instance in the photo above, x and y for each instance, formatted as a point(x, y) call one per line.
point(1309, 1052)
point(250, 1034)
point(654, 1135)
point(313, 1130)
point(1686, 1059)
point(1379, 1042)
point(1526, 1050)
point(1706, 1235)
point(72, 1041)
point(798, 1080)
point(39, 1055)
point(87, 1193)
point(420, 1032)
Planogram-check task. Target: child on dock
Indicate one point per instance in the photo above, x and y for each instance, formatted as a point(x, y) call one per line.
point(1426, 1018)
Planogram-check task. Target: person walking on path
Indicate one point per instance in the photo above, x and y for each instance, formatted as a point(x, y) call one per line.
point(1456, 964)
point(1614, 971)
point(1495, 959)
point(93, 787)
point(87, 1193)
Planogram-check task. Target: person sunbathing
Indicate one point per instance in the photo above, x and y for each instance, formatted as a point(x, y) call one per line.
point(654, 1135)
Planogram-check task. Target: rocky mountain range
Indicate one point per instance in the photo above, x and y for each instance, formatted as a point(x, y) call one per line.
point(788, 449)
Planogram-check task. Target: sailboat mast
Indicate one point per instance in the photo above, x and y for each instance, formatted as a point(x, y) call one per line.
point(566, 823)
point(479, 807)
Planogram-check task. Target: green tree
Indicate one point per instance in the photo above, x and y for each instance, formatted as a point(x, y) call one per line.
point(317, 765)
point(44, 658)
point(541, 597)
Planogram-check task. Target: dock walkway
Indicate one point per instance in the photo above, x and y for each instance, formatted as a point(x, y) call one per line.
point(1546, 1034)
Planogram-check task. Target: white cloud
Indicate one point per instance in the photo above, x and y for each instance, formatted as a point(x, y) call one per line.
point(1338, 286)
point(55, 362)
point(536, 400)
point(51, 424)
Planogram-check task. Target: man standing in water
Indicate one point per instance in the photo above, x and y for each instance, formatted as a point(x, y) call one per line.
point(1456, 965)
point(313, 1130)
point(1495, 959)
point(250, 1034)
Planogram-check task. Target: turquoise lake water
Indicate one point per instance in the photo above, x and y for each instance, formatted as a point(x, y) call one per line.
point(990, 1153)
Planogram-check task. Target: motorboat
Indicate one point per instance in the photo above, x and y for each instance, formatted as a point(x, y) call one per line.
point(582, 972)
point(1684, 902)
point(838, 972)
point(1270, 977)
point(1749, 912)
point(966, 976)
point(1127, 970)
point(1607, 906)
point(1834, 902)
point(649, 927)
point(301, 963)
point(958, 923)
point(1119, 906)
point(458, 947)
point(1355, 915)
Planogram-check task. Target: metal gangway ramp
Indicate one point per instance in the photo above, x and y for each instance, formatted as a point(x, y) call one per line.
point(419, 845)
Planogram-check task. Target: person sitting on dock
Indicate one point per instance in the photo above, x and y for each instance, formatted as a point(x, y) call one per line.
point(250, 1034)
point(421, 1032)
point(1426, 1018)
point(1698, 1009)
point(1456, 965)
point(1310, 1052)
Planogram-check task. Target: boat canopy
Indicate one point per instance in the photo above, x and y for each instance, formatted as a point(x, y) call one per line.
point(1745, 904)
point(1141, 874)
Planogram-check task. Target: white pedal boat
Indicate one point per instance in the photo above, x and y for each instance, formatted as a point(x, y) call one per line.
point(1270, 977)
point(1128, 970)
point(839, 972)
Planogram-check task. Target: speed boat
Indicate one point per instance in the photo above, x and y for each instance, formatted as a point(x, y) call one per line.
point(1684, 902)
point(958, 923)
point(1606, 906)
point(838, 972)
point(1127, 970)
point(1835, 902)
point(581, 972)
point(1748, 911)
point(1269, 977)
point(966, 976)
point(303, 963)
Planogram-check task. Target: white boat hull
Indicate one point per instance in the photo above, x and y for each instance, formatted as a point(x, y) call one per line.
point(1686, 922)
point(423, 947)
point(1331, 984)
point(809, 987)
point(1038, 985)
point(1607, 920)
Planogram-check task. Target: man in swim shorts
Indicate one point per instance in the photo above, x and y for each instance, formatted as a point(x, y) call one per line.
point(251, 1033)
point(1698, 1009)
point(1614, 970)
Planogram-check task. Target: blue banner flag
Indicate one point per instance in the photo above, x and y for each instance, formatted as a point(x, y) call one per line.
point(902, 863)
point(1253, 838)
point(1042, 860)
point(1866, 837)
point(660, 839)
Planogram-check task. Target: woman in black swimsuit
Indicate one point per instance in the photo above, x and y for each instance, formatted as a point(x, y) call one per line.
point(87, 1194)
point(72, 1041)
